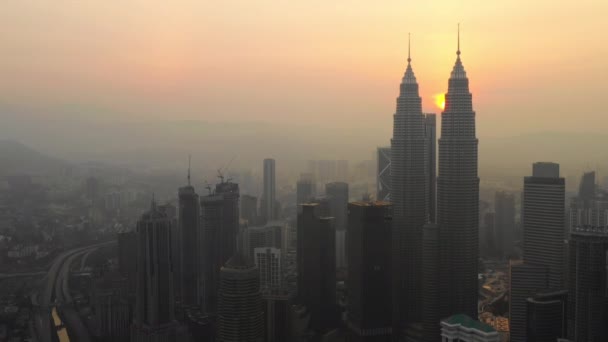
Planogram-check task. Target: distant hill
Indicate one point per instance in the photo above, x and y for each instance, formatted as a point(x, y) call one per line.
point(16, 157)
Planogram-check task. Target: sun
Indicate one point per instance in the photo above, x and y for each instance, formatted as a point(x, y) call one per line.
point(440, 100)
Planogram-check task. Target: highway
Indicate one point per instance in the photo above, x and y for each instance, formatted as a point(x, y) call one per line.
point(56, 293)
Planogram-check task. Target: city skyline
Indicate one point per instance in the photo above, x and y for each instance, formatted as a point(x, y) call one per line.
point(307, 215)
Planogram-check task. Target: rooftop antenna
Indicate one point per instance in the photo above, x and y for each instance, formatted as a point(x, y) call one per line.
point(409, 38)
point(189, 161)
point(458, 51)
point(220, 175)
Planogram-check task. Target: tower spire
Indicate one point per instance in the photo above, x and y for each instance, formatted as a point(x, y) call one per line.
point(189, 159)
point(409, 39)
point(458, 51)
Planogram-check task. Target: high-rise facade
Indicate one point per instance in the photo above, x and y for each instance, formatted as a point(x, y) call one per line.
point(337, 193)
point(305, 188)
point(268, 262)
point(526, 280)
point(316, 265)
point(588, 284)
point(409, 196)
point(543, 217)
point(154, 318)
point(269, 194)
point(430, 129)
point(211, 225)
point(546, 316)
point(249, 209)
point(504, 223)
point(230, 196)
point(269, 235)
point(458, 199)
point(240, 316)
point(383, 174)
point(189, 242)
point(369, 272)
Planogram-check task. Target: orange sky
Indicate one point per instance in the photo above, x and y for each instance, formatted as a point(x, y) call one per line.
point(534, 65)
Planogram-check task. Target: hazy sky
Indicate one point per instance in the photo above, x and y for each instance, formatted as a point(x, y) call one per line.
point(534, 65)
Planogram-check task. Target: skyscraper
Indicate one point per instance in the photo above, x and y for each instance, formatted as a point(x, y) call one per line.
point(316, 264)
point(526, 280)
point(458, 198)
point(154, 309)
point(383, 175)
point(588, 284)
point(219, 226)
point(409, 196)
point(240, 316)
point(189, 242)
point(249, 209)
point(269, 195)
point(543, 221)
point(337, 193)
point(546, 316)
point(504, 223)
point(430, 128)
point(305, 188)
point(229, 193)
point(268, 262)
point(211, 224)
point(369, 271)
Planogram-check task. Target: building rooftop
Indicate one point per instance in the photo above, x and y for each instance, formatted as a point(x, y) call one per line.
point(468, 322)
point(601, 231)
point(371, 203)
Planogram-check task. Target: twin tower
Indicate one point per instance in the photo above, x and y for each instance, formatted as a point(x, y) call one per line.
point(434, 253)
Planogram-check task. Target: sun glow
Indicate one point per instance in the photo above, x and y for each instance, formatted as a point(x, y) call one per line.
point(440, 100)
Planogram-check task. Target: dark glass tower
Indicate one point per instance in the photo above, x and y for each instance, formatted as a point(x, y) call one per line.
point(316, 264)
point(409, 196)
point(189, 241)
point(458, 198)
point(369, 272)
point(154, 310)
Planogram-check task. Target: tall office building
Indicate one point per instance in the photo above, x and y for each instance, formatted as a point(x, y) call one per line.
point(240, 316)
point(305, 188)
point(316, 265)
point(277, 304)
point(369, 272)
point(526, 280)
point(189, 242)
point(504, 224)
point(409, 196)
point(249, 209)
point(430, 128)
point(219, 226)
point(269, 194)
point(268, 261)
point(430, 330)
point(230, 195)
point(383, 174)
point(586, 190)
point(588, 284)
point(546, 316)
point(268, 235)
point(154, 318)
point(543, 221)
point(458, 198)
point(337, 193)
